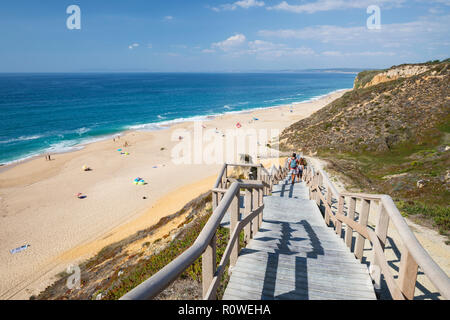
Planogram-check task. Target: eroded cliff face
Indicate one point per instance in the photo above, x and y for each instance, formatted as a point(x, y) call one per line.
point(377, 117)
point(388, 137)
point(396, 73)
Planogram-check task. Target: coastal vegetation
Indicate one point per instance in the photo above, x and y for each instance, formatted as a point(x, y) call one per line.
point(119, 267)
point(389, 136)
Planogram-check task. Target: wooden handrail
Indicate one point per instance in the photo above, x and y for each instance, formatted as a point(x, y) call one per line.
point(219, 177)
point(413, 254)
point(205, 242)
point(211, 293)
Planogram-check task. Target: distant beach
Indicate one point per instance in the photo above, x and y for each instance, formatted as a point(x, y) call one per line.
point(40, 208)
point(56, 113)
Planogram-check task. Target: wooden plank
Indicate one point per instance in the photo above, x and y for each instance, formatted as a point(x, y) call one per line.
point(246, 286)
point(260, 203)
point(247, 209)
point(363, 219)
point(215, 200)
point(388, 277)
point(350, 216)
point(327, 205)
point(408, 274)
point(257, 267)
point(234, 217)
point(306, 246)
point(354, 226)
point(340, 268)
point(297, 250)
point(381, 230)
point(289, 277)
point(208, 265)
point(340, 213)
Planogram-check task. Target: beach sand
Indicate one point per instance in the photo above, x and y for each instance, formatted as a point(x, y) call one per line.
point(39, 207)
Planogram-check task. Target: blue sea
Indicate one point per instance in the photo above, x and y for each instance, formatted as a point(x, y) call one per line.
point(62, 112)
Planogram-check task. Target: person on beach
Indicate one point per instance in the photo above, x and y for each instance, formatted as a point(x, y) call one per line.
point(293, 165)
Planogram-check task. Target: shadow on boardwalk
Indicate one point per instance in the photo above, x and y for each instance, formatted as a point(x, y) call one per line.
point(301, 280)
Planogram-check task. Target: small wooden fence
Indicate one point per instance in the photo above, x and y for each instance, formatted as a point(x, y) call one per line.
point(226, 195)
point(413, 255)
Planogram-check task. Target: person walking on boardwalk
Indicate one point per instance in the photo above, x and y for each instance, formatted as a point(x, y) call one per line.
point(301, 168)
point(293, 165)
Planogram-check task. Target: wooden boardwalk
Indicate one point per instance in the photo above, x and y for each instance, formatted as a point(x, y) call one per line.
point(294, 255)
point(294, 252)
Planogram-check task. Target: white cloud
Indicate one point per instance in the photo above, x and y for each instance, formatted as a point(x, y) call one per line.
point(328, 5)
point(425, 30)
point(245, 4)
point(238, 45)
point(230, 43)
point(249, 3)
point(353, 54)
point(132, 46)
point(149, 46)
point(168, 18)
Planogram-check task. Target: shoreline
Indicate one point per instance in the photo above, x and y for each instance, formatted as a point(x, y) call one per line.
point(162, 125)
point(39, 207)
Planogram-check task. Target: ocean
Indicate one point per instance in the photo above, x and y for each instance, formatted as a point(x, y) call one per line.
point(61, 112)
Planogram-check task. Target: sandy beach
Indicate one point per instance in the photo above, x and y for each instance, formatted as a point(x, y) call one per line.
point(39, 206)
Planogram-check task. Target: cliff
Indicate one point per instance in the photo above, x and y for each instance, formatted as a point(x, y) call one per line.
point(390, 134)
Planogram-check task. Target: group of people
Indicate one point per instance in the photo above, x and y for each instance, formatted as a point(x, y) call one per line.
point(297, 165)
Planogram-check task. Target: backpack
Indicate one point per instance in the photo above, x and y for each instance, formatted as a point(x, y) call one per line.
point(293, 163)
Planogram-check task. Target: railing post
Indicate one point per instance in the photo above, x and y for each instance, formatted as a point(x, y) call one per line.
point(255, 200)
point(260, 203)
point(247, 210)
point(316, 185)
point(263, 180)
point(408, 274)
point(208, 265)
point(234, 217)
point(215, 200)
point(350, 215)
point(363, 219)
point(328, 206)
point(340, 211)
point(381, 230)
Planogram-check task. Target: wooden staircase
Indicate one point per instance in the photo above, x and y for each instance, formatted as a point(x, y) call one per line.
point(294, 255)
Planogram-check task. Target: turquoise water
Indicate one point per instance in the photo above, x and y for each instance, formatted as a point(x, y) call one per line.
point(60, 112)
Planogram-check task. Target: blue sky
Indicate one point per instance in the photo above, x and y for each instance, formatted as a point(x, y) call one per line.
point(211, 36)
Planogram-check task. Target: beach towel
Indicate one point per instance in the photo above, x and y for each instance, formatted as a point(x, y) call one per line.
point(16, 250)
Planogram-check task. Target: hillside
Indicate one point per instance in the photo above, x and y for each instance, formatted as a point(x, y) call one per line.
point(390, 134)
